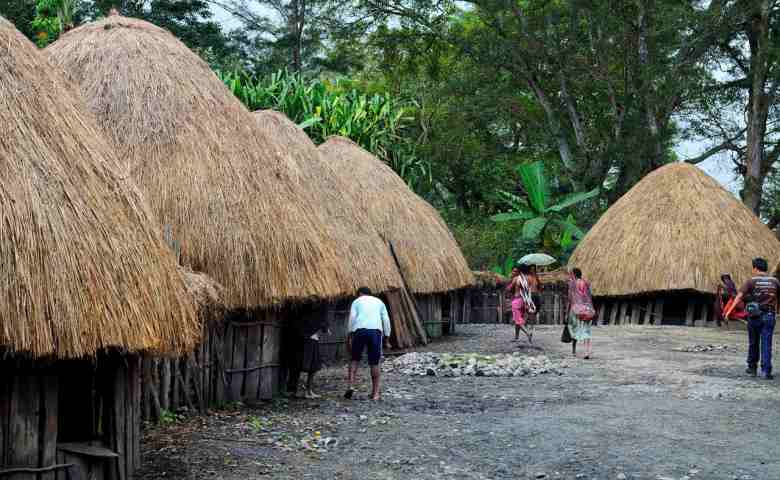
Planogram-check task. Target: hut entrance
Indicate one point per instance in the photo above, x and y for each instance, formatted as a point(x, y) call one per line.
point(252, 348)
point(446, 313)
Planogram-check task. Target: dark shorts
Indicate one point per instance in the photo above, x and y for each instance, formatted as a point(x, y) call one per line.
point(370, 340)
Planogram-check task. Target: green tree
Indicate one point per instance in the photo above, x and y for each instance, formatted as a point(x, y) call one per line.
point(543, 221)
point(21, 13)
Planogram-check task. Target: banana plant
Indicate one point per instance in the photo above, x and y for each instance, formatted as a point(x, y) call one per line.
point(542, 219)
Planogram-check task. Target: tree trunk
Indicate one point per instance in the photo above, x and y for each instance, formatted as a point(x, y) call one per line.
point(758, 106)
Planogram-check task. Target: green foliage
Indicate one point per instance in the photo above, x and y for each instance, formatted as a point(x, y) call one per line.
point(543, 223)
point(377, 122)
point(52, 17)
point(168, 417)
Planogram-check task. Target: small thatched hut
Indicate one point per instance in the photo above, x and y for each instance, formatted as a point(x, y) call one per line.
point(430, 261)
point(363, 252)
point(657, 254)
point(87, 284)
point(486, 299)
point(222, 193)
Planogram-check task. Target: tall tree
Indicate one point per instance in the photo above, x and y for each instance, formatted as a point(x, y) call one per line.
point(739, 106)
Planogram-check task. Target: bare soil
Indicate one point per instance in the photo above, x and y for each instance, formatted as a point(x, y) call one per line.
point(643, 408)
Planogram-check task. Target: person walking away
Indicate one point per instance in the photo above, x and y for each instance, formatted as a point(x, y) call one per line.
point(369, 325)
point(760, 294)
point(304, 349)
point(522, 304)
point(581, 313)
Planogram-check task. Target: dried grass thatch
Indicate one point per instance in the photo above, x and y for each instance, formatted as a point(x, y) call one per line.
point(226, 193)
point(363, 252)
point(427, 253)
point(83, 268)
point(489, 280)
point(560, 275)
point(207, 294)
point(677, 229)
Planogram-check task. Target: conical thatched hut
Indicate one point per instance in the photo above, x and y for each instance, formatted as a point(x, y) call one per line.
point(364, 253)
point(659, 251)
point(429, 258)
point(87, 283)
point(222, 193)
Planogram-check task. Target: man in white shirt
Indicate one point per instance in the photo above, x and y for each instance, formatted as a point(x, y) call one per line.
point(369, 324)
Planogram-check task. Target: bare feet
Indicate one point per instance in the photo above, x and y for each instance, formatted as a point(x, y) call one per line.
point(311, 395)
point(376, 398)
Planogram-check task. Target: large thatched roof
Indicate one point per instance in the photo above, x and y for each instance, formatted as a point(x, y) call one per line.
point(228, 196)
point(677, 229)
point(83, 267)
point(427, 253)
point(363, 252)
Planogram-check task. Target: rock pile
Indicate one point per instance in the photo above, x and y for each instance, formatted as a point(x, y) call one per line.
point(709, 348)
point(472, 364)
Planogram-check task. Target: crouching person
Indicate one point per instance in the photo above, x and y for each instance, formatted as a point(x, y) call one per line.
point(369, 327)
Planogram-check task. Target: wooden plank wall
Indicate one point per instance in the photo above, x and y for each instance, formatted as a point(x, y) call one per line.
point(486, 306)
point(431, 314)
point(252, 356)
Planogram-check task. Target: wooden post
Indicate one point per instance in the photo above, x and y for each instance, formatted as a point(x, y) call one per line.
point(705, 313)
point(648, 316)
point(165, 384)
point(659, 312)
point(622, 313)
point(689, 312)
point(601, 308)
point(613, 314)
point(635, 312)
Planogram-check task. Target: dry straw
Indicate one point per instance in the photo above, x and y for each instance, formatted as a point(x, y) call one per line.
point(677, 229)
point(489, 280)
point(225, 191)
point(361, 249)
point(428, 255)
point(83, 267)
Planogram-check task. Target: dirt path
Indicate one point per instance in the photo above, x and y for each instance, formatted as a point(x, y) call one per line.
point(641, 409)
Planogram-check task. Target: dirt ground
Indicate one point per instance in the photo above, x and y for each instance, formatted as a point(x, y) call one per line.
point(643, 408)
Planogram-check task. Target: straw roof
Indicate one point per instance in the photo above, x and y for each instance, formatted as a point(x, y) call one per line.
point(224, 191)
point(363, 252)
point(489, 279)
point(677, 229)
point(83, 268)
point(427, 253)
point(207, 294)
point(560, 275)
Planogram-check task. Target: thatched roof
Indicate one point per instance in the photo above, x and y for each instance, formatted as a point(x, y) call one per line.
point(226, 193)
point(677, 229)
point(83, 267)
point(489, 279)
point(207, 294)
point(429, 256)
point(362, 251)
point(560, 275)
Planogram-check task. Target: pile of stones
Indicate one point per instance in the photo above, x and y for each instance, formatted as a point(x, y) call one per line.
point(709, 348)
point(472, 364)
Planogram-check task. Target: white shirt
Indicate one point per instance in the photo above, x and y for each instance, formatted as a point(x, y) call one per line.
point(370, 313)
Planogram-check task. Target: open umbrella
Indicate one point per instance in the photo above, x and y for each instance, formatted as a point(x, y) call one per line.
point(539, 259)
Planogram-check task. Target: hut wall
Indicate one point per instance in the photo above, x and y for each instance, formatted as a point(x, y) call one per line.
point(430, 308)
point(333, 347)
point(238, 359)
point(75, 419)
point(486, 305)
point(553, 308)
point(674, 308)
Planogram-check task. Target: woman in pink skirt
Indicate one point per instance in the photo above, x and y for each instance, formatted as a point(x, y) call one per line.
point(521, 300)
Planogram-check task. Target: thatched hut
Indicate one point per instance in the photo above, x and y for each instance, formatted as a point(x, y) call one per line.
point(658, 253)
point(365, 255)
point(429, 259)
point(225, 197)
point(87, 284)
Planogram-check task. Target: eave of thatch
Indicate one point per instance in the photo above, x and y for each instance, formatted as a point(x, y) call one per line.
point(227, 194)
point(489, 279)
point(364, 254)
point(560, 275)
point(677, 229)
point(428, 255)
point(84, 268)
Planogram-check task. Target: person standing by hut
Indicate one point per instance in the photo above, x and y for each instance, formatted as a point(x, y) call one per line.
point(581, 313)
point(369, 327)
point(760, 293)
point(303, 349)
